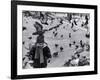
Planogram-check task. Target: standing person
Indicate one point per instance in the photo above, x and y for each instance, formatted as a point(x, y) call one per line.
point(40, 60)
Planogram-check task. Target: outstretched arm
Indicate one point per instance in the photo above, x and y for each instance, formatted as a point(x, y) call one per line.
point(54, 27)
point(43, 31)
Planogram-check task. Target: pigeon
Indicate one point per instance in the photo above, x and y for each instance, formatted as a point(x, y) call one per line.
point(56, 45)
point(24, 28)
point(76, 47)
point(74, 42)
point(55, 54)
point(61, 36)
point(55, 34)
point(70, 44)
point(30, 38)
point(23, 42)
point(61, 48)
point(87, 35)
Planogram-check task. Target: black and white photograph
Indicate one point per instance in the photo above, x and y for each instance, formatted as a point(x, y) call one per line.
point(53, 39)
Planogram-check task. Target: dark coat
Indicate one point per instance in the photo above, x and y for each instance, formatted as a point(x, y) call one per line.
point(46, 54)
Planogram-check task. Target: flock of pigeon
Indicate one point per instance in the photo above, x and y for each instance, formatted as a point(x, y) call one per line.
point(63, 35)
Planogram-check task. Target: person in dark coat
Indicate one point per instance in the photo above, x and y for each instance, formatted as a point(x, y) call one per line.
point(42, 52)
point(37, 52)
